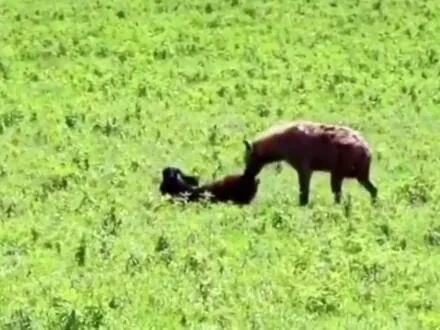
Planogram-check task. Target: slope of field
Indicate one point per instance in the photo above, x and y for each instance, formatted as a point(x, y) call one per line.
point(96, 97)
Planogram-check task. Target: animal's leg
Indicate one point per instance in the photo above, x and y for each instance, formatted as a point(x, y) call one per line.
point(304, 176)
point(364, 180)
point(370, 187)
point(336, 185)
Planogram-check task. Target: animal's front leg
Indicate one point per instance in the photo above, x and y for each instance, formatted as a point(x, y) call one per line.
point(336, 185)
point(304, 177)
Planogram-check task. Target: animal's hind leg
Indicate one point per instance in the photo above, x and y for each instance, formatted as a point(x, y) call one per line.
point(364, 180)
point(370, 187)
point(336, 185)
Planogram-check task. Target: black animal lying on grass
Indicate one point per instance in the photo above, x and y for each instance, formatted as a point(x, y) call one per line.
point(238, 189)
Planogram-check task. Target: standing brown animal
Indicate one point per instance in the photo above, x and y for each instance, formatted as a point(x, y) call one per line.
point(310, 146)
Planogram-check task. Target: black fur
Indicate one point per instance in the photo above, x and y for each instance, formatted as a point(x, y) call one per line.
point(176, 183)
point(238, 189)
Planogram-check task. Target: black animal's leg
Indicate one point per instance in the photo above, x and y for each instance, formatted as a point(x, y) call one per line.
point(370, 187)
point(336, 185)
point(304, 176)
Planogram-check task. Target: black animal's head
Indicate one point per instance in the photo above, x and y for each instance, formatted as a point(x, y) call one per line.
point(175, 182)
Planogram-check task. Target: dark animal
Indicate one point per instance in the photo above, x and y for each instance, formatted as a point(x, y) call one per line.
point(175, 182)
point(310, 146)
point(238, 189)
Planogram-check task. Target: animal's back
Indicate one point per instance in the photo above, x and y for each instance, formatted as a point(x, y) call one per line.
point(321, 145)
point(336, 133)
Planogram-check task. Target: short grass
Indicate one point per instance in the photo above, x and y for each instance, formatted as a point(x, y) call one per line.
point(96, 97)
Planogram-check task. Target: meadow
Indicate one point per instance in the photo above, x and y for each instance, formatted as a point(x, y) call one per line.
point(96, 97)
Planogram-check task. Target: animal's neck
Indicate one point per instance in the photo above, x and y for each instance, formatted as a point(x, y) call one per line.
point(254, 168)
point(265, 153)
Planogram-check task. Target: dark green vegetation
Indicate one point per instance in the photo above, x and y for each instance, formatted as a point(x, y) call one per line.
point(96, 97)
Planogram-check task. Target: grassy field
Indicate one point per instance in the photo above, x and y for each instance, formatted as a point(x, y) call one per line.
point(96, 97)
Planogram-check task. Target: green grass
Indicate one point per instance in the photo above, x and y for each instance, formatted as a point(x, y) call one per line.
point(96, 97)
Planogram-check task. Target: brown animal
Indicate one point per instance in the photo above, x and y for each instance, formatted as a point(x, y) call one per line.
point(238, 189)
point(310, 146)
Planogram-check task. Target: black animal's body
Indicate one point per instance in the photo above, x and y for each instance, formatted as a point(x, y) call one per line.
point(238, 189)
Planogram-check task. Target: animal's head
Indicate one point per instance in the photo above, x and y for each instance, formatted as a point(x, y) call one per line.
point(174, 181)
point(247, 187)
point(250, 183)
point(240, 188)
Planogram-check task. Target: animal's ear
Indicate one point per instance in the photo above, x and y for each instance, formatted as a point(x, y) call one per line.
point(247, 145)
